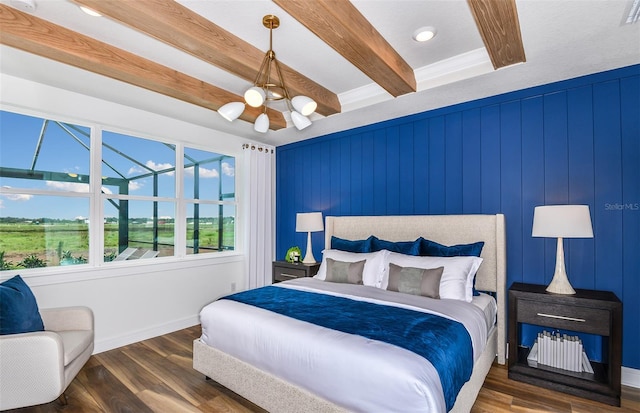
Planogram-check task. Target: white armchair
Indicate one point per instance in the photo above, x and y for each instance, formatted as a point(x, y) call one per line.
point(38, 367)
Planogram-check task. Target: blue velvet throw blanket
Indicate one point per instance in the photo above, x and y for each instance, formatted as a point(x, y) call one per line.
point(445, 343)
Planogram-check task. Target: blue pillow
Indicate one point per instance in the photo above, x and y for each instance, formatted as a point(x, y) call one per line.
point(402, 247)
point(433, 249)
point(18, 308)
point(363, 245)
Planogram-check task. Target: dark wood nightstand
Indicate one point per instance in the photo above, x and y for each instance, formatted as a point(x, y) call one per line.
point(587, 311)
point(283, 270)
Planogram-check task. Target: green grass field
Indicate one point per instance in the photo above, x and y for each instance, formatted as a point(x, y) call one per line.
point(49, 241)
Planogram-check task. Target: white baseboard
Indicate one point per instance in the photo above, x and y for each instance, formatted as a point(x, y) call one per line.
point(140, 335)
point(631, 377)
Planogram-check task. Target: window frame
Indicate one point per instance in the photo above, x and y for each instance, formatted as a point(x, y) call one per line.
point(97, 199)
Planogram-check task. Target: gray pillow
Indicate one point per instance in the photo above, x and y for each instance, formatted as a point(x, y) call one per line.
point(416, 281)
point(344, 272)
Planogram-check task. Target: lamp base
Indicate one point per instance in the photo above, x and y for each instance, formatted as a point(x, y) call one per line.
point(308, 256)
point(560, 282)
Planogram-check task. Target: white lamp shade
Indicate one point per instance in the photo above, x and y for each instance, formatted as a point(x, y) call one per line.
point(300, 121)
point(231, 111)
point(262, 123)
point(304, 104)
point(254, 96)
point(562, 221)
point(309, 222)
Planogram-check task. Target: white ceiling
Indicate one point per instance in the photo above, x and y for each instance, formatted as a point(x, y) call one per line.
point(562, 39)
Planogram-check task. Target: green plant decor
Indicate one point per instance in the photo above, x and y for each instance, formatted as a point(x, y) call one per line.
point(32, 261)
point(291, 252)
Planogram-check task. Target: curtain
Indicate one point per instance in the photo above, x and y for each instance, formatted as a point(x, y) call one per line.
point(260, 231)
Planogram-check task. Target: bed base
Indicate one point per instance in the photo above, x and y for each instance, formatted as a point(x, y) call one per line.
point(279, 396)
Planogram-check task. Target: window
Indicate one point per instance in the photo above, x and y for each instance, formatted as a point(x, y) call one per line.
point(46, 196)
point(138, 183)
point(209, 186)
point(44, 202)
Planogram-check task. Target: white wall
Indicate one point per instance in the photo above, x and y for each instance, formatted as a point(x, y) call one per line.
point(136, 302)
point(132, 301)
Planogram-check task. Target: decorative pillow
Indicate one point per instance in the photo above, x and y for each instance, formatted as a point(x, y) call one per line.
point(416, 281)
point(344, 272)
point(375, 267)
point(363, 245)
point(457, 278)
point(402, 247)
point(18, 308)
point(432, 248)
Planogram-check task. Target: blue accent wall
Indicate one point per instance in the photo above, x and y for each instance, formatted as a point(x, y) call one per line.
point(576, 141)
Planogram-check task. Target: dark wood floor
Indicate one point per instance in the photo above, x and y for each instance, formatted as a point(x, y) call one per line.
point(156, 375)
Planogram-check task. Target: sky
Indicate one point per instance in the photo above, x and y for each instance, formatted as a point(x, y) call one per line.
point(64, 149)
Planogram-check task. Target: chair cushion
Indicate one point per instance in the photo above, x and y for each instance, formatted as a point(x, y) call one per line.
point(18, 308)
point(74, 343)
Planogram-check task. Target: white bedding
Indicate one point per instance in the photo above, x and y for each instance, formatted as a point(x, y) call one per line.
point(351, 371)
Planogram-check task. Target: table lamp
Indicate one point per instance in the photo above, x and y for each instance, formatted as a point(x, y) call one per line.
point(309, 222)
point(561, 221)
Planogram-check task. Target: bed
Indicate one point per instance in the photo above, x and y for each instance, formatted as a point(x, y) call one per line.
point(279, 386)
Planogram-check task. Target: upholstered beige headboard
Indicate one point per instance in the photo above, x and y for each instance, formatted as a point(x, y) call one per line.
point(444, 229)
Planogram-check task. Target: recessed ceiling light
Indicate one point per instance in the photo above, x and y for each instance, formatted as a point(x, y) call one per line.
point(28, 5)
point(424, 33)
point(90, 12)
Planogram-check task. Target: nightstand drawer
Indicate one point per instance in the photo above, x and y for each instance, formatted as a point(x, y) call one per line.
point(283, 274)
point(575, 318)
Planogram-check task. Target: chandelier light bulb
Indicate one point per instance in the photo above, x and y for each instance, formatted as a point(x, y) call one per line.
point(255, 96)
point(299, 121)
point(304, 104)
point(231, 111)
point(262, 123)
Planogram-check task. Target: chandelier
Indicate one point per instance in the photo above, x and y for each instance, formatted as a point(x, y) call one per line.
point(265, 89)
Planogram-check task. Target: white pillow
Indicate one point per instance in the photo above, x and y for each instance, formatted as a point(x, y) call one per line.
point(457, 279)
point(374, 269)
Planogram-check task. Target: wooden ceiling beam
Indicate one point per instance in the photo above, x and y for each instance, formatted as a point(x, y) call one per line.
point(339, 24)
point(34, 35)
point(499, 27)
point(178, 26)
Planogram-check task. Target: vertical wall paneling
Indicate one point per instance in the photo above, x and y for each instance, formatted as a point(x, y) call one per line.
point(453, 163)
point(471, 162)
point(532, 187)
point(325, 176)
point(379, 172)
point(630, 126)
point(576, 141)
point(355, 174)
point(608, 184)
point(511, 181)
point(334, 173)
point(368, 166)
point(344, 182)
point(437, 161)
point(420, 171)
point(405, 159)
point(580, 257)
point(490, 153)
point(393, 171)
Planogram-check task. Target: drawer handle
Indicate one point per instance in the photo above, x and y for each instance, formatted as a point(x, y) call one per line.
point(287, 275)
point(580, 320)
